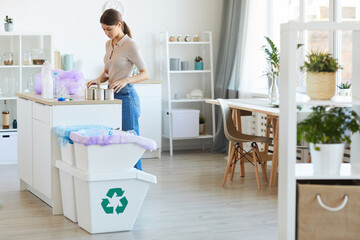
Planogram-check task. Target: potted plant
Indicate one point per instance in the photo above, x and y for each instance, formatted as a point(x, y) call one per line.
point(199, 63)
point(202, 121)
point(344, 89)
point(327, 130)
point(273, 59)
point(8, 24)
point(320, 81)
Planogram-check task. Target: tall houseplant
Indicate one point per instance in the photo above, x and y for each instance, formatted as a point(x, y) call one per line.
point(273, 58)
point(320, 68)
point(327, 130)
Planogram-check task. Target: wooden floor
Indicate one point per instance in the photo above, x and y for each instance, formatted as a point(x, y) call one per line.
point(187, 203)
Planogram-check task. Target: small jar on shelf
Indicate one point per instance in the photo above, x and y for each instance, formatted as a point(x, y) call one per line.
point(8, 58)
point(27, 58)
point(38, 56)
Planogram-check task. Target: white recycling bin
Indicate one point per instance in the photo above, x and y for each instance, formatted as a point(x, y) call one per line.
point(108, 202)
point(114, 157)
point(67, 191)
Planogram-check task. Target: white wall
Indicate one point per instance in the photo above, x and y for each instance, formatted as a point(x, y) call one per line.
point(76, 28)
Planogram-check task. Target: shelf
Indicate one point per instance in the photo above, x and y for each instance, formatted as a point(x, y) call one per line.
point(304, 171)
point(31, 66)
point(192, 71)
point(189, 43)
point(8, 130)
point(189, 138)
point(340, 101)
point(8, 98)
point(185, 100)
point(9, 66)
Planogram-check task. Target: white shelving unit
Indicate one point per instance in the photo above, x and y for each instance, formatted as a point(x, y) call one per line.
point(14, 78)
point(289, 170)
point(182, 82)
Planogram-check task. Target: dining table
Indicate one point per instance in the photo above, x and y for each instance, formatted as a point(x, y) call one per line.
point(240, 107)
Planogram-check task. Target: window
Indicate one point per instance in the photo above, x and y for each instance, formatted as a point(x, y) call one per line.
point(338, 43)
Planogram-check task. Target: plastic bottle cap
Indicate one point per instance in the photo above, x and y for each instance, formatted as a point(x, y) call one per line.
point(55, 73)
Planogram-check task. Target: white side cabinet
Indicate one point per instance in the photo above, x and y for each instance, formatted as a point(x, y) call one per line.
point(291, 172)
point(37, 144)
point(150, 116)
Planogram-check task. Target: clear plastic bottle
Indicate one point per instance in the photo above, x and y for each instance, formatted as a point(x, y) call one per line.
point(47, 81)
point(56, 85)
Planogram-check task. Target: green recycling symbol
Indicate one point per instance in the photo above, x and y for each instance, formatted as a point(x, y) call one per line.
point(113, 194)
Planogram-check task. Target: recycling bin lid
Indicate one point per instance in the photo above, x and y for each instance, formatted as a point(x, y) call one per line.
point(93, 177)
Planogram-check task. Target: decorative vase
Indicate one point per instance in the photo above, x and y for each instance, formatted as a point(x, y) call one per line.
point(327, 160)
point(273, 91)
point(8, 27)
point(199, 66)
point(345, 92)
point(320, 85)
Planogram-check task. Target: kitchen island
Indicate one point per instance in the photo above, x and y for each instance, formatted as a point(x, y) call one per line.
point(37, 144)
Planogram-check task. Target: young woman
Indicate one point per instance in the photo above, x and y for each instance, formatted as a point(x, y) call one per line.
point(122, 54)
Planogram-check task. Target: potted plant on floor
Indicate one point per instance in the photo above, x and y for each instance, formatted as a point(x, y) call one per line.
point(202, 121)
point(8, 25)
point(327, 130)
point(320, 81)
point(198, 63)
point(344, 89)
point(273, 59)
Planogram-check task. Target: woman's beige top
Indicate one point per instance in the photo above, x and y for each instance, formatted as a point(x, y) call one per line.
point(120, 59)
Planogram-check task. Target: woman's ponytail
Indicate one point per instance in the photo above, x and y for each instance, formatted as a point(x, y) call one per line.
point(126, 29)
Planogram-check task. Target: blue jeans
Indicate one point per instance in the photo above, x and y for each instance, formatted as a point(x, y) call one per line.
point(130, 111)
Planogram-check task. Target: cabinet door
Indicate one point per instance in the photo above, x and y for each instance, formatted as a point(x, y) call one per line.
point(42, 157)
point(25, 141)
point(150, 107)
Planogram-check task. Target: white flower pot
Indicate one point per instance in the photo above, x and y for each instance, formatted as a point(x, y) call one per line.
point(345, 92)
point(327, 161)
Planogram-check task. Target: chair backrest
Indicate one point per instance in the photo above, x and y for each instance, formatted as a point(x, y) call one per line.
point(229, 126)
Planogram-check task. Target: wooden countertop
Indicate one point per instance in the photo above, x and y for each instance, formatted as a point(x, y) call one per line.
point(76, 100)
point(150, 81)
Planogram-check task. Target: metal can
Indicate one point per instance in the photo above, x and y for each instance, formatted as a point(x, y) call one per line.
point(90, 92)
point(99, 94)
point(109, 94)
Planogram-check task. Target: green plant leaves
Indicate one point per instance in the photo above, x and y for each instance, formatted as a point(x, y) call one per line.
point(273, 58)
point(329, 125)
point(318, 61)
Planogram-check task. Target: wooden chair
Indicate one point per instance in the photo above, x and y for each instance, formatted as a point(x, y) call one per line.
point(237, 138)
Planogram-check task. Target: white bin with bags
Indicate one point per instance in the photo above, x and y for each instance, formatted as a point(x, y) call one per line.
point(108, 202)
point(99, 151)
point(68, 155)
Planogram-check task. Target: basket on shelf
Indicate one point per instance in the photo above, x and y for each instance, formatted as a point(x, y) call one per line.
point(320, 85)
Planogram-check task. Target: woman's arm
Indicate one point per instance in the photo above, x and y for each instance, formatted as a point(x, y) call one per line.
point(119, 84)
point(103, 78)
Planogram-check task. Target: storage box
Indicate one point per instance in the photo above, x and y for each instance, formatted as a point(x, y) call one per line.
point(67, 190)
point(185, 123)
point(108, 202)
point(8, 147)
point(314, 221)
point(109, 158)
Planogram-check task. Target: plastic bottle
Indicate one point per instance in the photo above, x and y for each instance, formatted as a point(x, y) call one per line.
point(56, 85)
point(47, 82)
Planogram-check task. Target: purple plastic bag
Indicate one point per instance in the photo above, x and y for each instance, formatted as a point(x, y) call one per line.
point(72, 80)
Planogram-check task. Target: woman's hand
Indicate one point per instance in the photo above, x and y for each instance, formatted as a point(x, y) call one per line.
point(119, 84)
point(94, 82)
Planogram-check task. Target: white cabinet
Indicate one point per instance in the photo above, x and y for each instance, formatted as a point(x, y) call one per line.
point(179, 83)
point(37, 146)
point(25, 141)
point(150, 116)
point(289, 171)
point(15, 77)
